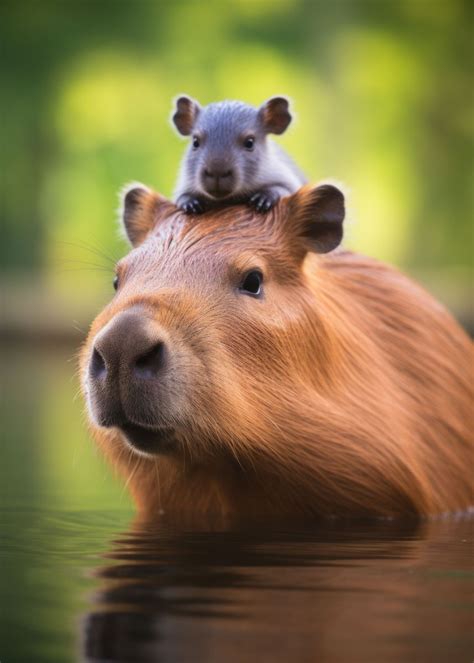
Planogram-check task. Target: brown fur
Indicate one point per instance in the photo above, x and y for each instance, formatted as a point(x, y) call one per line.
point(347, 390)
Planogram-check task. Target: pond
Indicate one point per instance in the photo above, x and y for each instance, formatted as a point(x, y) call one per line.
point(83, 580)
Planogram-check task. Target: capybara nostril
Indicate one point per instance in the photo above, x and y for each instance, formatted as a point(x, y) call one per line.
point(227, 173)
point(97, 367)
point(148, 364)
point(127, 348)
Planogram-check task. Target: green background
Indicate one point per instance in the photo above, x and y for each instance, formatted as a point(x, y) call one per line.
point(381, 90)
point(383, 97)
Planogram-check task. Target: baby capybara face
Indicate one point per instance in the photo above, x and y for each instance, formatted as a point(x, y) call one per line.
point(209, 325)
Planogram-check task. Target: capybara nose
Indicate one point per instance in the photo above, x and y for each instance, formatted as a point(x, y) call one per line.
point(218, 173)
point(218, 179)
point(130, 344)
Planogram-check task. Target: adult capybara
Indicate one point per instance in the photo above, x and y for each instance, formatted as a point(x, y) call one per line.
point(239, 371)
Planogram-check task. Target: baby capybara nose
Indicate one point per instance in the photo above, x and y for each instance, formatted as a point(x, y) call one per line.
point(130, 343)
point(218, 178)
point(217, 173)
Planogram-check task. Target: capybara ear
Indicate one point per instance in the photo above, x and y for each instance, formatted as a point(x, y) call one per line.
point(139, 211)
point(316, 216)
point(275, 115)
point(185, 115)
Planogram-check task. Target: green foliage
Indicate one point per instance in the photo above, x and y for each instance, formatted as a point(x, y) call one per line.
point(381, 91)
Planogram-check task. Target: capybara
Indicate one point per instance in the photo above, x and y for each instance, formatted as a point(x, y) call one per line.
point(245, 369)
point(230, 157)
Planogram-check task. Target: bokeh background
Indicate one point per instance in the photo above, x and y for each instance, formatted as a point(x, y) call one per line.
point(383, 97)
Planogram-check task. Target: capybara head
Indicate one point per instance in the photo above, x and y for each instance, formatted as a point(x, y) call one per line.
point(240, 370)
point(207, 322)
point(228, 144)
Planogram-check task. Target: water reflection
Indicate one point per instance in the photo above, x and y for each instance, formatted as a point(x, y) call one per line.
point(384, 592)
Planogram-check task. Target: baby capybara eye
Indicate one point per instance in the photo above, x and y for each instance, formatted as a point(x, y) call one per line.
point(115, 282)
point(196, 142)
point(249, 143)
point(252, 283)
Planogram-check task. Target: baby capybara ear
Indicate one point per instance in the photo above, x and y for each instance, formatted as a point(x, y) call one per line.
point(275, 115)
point(139, 206)
point(185, 115)
point(316, 216)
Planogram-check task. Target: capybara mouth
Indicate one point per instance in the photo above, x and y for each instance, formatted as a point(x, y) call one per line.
point(150, 441)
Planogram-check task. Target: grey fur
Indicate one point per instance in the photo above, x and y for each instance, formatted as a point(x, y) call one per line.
point(221, 170)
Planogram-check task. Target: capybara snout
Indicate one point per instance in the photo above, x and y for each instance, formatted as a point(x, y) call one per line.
point(256, 375)
point(125, 366)
point(127, 363)
point(145, 371)
point(126, 369)
point(131, 344)
point(138, 380)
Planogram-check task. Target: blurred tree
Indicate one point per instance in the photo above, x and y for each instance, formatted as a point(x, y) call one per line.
point(381, 90)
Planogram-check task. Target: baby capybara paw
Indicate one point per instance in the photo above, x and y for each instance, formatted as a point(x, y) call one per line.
point(191, 205)
point(262, 201)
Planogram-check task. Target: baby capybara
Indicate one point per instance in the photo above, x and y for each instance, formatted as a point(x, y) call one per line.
point(243, 369)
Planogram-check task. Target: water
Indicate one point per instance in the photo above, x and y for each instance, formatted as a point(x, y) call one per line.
point(82, 580)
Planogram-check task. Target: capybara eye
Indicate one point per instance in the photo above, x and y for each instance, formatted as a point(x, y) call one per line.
point(116, 282)
point(196, 142)
point(252, 283)
point(249, 143)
